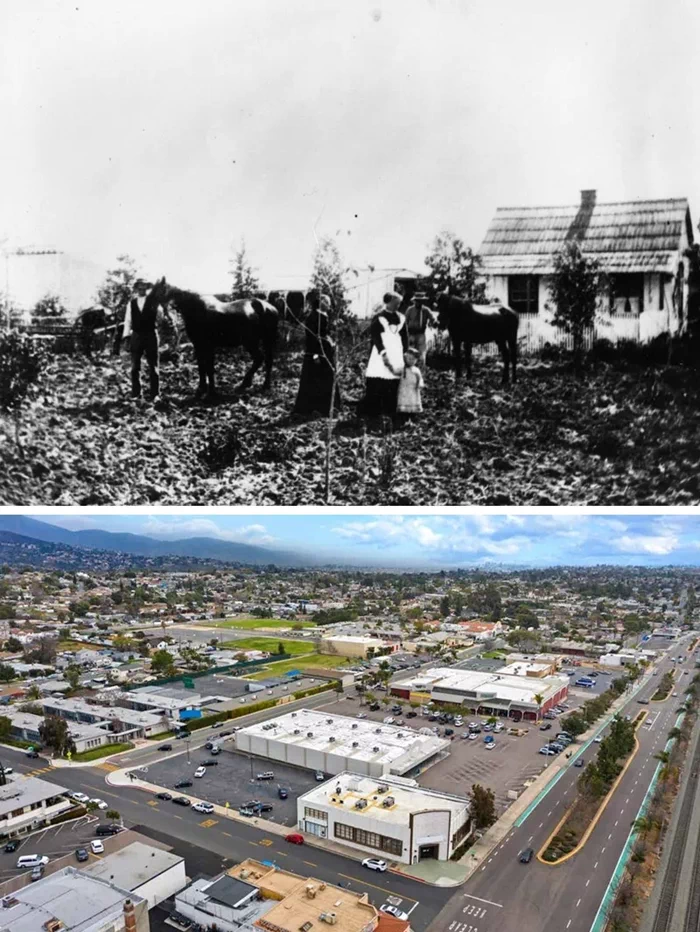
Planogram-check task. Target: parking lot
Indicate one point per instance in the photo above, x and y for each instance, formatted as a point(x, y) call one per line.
point(54, 842)
point(234, 781)
point(509, 766)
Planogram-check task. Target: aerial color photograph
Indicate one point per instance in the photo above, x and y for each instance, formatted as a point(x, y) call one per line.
point(377, 722)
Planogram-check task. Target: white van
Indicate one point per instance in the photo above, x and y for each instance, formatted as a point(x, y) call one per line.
point(32, 860)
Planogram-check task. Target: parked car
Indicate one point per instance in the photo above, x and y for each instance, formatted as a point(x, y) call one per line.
point(545, 726)
point(547, 751)
point(282, 793)
point(266, 775)
point(579, 762)
point(394, 911)
point(108, 828)
point(96, 846)
point(200, 771)
point(374, 707)
point(375, 864)
point(11, 846)
point(246, 811)
point(643, 701)
point(181, 800)
point(319, 776)
point(209, 763)
point(526, 856)
point(361, 715)
point(473, 736)
point(182, 784)
point(82, 854)
point(79, 797)
point(411, 714)
point(165, 747)
point(166, 796)
point(37, 873)
point(264, 807)
point(448, 732)
point(490, 745)
point(294, 838)
point(203, 807)
point(388, 720)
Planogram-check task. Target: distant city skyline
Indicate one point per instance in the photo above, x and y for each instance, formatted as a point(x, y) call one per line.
point(428, 540)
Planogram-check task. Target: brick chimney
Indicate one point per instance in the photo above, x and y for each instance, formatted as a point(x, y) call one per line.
point(588, 198)
point(129, 917)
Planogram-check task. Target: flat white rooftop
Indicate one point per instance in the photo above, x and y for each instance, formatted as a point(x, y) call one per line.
point(344, 790)
point(396, 747)
point(134, 865)
point(482, 686)
point(25, 791)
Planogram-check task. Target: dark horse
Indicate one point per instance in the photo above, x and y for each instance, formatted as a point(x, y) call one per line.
point(211, 324)
point(468, 324)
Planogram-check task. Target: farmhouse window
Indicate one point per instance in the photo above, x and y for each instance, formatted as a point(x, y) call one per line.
point(627, 293)
point(523, 293)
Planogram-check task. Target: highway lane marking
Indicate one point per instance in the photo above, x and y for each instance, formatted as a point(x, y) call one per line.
point(609, 836)
point(588, 881)
point(595, 865)
point(579, 903)
point(481, 900)
point(311, 863)
point(226, 833)
point(175, 816)
point(366, 883)
point(602, 850)
point(489, 860)
point(530, 839)
point(568, 924)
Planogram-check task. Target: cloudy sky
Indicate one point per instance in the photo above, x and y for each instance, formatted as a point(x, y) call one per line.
point(391, 539)
point(171, 129)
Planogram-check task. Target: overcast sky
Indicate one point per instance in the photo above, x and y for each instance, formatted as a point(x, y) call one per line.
point(171, 129)
point(437, 541)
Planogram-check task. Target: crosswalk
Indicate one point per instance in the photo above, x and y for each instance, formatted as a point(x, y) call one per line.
point(108, 767)
point(35, 773)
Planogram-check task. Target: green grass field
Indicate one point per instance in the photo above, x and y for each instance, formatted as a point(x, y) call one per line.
point(250, 624)
point(299, 663)
point(290, 647)
point(104, 751)
point(77, 645)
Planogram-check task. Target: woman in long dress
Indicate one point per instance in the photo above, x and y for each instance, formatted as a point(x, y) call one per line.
point(318, 368)
point(389, 339)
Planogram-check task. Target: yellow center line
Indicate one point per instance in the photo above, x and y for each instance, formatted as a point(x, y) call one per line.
point(366, 883)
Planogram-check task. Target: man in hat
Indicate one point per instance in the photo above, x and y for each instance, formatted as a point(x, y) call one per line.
point(140, 325)
point(417, 319)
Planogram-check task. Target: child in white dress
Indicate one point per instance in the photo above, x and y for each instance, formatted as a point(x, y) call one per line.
point(410, 385)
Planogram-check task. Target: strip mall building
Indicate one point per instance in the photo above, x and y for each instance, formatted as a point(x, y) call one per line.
point(518, 697)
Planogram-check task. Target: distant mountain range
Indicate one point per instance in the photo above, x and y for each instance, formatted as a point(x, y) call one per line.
point(205, 548)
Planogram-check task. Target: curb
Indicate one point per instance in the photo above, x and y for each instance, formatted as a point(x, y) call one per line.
point(599, 813)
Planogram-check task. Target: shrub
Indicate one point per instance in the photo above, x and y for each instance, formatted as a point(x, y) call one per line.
point(21, 362)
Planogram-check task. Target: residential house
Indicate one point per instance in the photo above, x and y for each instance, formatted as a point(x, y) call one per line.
point(640, 246)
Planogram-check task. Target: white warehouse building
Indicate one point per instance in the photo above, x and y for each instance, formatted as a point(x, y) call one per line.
point(336, 743)
point(392, 818)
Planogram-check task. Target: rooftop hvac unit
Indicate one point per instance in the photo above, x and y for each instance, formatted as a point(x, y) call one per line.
point(330, 918)
point(309, 734)
point(243, 874)
point(297, 731)
point(338, 789)
point(378, 731)
point(331, 738)
point(306, 927)
point(329, 721)
point(322, 886)
point(294, 714)
point(53, 925)
point(361, 804)
point(375, 748)
point(389, 801)
point(310, 890)
point(356, 744)
point(382, 788)
point(354, 724)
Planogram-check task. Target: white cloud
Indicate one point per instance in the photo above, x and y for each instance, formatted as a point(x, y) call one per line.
point(638, 543)
point(205, 527)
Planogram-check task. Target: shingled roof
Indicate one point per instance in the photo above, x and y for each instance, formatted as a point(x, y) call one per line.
point(628, 236)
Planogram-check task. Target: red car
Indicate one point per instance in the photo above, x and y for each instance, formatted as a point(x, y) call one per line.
point(295, 839)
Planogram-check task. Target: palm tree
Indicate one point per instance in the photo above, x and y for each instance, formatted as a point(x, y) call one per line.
point(663, 756)
point(539, 699)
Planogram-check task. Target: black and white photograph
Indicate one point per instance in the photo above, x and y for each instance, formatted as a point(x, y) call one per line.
point(419, 253)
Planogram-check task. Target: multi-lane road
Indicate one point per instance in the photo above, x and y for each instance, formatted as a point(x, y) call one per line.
point(505, 895)
point(234, 840)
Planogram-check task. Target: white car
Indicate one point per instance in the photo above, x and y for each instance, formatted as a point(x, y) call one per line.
point(100, 803)
point(375, 864)
point(8, 769)
point(80, 797)
point(388, 720)
point(472, 737)
point(203, 807)
point(96, 846)
point(548, 752)
point(490, 746)
point(597, 739)
point(394, 911)
point(200, 771)
point(361, 715)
